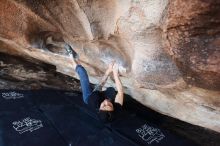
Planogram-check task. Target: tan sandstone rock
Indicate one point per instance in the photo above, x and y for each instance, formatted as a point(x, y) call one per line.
point(168, 51)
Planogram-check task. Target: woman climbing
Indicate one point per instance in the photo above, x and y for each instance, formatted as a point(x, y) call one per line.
point(106, 103)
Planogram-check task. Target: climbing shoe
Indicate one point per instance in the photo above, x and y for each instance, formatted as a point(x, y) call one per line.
point(70, 51)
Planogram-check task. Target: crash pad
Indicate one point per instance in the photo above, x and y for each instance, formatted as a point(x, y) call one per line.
point(54, 117)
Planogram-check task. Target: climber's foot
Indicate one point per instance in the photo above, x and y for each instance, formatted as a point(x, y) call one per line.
point(71, 52)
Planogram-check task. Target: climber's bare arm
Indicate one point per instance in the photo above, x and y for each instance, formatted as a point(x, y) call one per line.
point(120, 95)
point(107, 73)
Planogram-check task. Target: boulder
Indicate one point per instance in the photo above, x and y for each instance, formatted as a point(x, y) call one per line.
point(167, 51)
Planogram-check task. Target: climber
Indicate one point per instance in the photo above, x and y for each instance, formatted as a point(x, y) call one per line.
point(106, 103)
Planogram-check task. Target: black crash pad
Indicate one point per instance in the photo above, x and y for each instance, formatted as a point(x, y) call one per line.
point(135, 125)
point(27, 128)
point(57, 118)
point(12, 100)
point(82, 128)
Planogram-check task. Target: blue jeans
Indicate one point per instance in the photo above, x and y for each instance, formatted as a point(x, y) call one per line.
point(86, 88)
point(84, 82)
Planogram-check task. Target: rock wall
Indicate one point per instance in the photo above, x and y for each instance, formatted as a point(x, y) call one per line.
point(193, 40)
point(30, 74)
point(168, 51)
